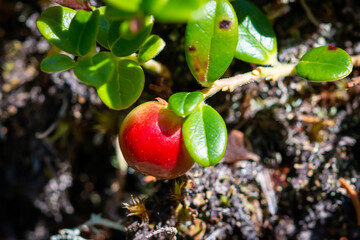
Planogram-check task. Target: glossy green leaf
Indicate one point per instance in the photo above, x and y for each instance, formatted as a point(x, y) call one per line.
point(327, 63)
point(125, 5)
point(257, 40)
point(205, 135)
point(114, 14)
point(83, 31)
point(184, 103)
point(210, 41)
point(104, 26)
point(125, 87)
point(56, 62)
point(125, 42)
point(151, 48)
point(54, 23)
point(171, 10)
point(97, 70)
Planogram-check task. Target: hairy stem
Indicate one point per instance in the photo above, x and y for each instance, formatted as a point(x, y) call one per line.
point(268, 73)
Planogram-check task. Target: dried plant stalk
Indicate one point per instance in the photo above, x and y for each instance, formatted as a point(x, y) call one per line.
point(354, 197)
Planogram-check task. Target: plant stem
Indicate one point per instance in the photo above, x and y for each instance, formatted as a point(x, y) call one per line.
point(310, 15)
point(268, 73)
point(353, 196)
point(96, 219)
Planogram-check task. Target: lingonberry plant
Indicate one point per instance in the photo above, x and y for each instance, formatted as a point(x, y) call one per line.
point(108, 48)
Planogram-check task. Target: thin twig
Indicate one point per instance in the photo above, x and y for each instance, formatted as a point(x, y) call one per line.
point(96, 219)
point(172, 231)
point(268, 73)
point(354, 197)
point(229, 84)
point(310, 15)
point(53, 126)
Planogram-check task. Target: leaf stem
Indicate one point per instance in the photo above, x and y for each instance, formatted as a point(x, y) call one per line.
point(268, 73)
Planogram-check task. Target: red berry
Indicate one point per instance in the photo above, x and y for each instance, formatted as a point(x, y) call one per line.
point(151, 141)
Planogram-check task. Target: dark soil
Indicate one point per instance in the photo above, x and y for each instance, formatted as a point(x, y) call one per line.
point(59, 165)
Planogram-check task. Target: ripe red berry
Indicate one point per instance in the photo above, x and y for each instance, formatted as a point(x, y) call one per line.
point(151, 141)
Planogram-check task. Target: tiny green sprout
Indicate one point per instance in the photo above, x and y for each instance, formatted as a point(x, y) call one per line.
point(183, 103)
point(177, 193)
point(224, 200)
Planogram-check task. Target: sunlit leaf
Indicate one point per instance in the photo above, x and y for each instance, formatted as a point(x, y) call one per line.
point(54, 23)
point(151, 48)
point(125, 87)
point(125, 5)
point(126, 37)
point(83, 31)
point(205, 135)
point(326, 63)
point(56, 62)
point(97, 70)
point(257, 40)
point(114, 14)
point(210, 41)
point(184, 103)
point(172, 10)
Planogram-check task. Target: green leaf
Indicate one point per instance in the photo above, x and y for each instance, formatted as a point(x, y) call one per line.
point(114, 14)
point(83, 31)
point(326, 63)
point(184, 103)
point(171, 10)
point(125, 5)
point(125, 87)
point(104, 26)
point(97, 70)
point(257, 41)
point(210, 41)
point(54, 23)
point(205, 135)
point(126, 37)
point(151, 48)
point(56, 62)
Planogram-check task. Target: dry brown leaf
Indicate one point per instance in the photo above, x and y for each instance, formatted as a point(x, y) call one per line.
point(236, 149)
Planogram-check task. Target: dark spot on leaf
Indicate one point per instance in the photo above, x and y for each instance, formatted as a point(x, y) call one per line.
point(225, 24)
point(332, 48)
point(197, 69)
point(192, 48)
point(136, 25)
